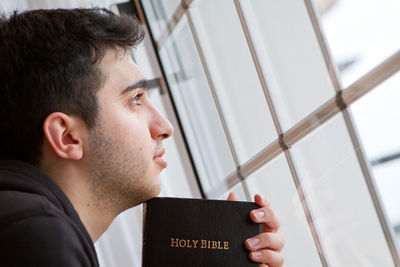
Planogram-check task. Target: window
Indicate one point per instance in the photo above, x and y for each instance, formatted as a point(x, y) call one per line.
point(361, 34)
point(284, 106)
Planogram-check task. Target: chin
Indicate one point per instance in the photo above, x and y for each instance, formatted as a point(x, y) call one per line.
point(144, 195)
point(157, 190)
point(153, 190)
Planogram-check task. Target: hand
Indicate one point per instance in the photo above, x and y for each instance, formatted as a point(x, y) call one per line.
point(266, 247)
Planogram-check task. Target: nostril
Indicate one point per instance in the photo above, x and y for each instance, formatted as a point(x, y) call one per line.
point(164, 136)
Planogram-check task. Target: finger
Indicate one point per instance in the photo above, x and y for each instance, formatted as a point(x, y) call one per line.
point(268, 257)
point(268, 217)
point(261, 201)
point(233, 197)
point(273, 241)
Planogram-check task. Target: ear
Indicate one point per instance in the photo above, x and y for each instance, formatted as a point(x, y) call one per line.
point(65, 135)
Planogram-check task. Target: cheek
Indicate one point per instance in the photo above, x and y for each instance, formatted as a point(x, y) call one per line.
point(129, 128)
point(132, 133)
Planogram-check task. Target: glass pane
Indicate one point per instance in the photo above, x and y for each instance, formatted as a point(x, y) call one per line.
point(196, 107)
point(292, 60)
point(275, 182)
point(377, 117)
point(238, 189)
point(145, 58)
point(121, 244)
point(360, 33)
point(234, 76)
point(9, 6)
point(20, 5)
point(339, 198)
point(158, 13)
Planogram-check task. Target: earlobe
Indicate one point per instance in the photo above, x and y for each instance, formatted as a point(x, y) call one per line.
point(62, 134)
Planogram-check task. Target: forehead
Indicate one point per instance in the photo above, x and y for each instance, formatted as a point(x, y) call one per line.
point(119, 70)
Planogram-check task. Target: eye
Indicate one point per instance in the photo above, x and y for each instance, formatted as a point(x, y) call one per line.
point(136, 100)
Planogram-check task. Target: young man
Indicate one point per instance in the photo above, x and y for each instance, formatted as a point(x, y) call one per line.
point(79, 140)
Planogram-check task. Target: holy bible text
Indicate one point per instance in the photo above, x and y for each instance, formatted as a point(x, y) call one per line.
point(203, 244)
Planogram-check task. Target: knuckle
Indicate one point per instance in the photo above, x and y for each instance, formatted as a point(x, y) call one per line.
point(271, 258)
point(275, 259)
point(268, 254)
point(268, 211)
point(267, 238)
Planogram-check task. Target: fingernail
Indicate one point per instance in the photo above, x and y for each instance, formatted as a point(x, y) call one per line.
point(252, 242)
point(265, 200)
point(259, 214)
point(256, 254)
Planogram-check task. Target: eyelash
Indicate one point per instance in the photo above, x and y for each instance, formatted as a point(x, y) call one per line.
point(136, 98)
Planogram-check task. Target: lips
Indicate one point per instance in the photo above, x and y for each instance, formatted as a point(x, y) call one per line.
point(158, 158)
point(159, 154)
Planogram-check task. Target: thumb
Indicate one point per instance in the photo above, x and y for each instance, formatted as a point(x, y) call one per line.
point(233, 197)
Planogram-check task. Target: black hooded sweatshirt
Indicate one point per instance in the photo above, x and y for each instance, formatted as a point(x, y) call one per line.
point(38, 224)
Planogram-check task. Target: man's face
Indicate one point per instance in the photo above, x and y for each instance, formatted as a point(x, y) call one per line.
point(125, 146)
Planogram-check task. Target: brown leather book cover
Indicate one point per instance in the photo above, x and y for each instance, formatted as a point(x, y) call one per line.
point(180, 232)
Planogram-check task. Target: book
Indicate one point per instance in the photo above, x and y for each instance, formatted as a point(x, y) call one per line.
point(179, 232)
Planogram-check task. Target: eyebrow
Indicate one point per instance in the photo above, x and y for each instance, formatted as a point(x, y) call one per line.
point(140, 84)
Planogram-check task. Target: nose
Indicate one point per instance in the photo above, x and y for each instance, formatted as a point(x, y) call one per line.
point(160, 127)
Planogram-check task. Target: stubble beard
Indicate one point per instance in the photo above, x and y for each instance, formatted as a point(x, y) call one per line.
point(116, 172)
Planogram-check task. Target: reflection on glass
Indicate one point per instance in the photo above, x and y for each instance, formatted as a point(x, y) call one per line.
point(361, 34)
point(159, 13)
point(234, 76)
point(275, 182)
point(377, 117)
point(339, 198)
point(196, 107)
point(292, 60)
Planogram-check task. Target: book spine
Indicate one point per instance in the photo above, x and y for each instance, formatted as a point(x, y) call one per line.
point(144, 237)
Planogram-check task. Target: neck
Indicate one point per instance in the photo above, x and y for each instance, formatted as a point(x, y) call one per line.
point(74, 182)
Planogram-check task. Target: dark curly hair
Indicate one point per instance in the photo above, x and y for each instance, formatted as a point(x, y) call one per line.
point(49, 62)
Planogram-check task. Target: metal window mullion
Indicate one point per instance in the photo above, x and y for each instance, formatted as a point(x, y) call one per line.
point(353, 92)
point(173, 22)
point(230, 181)
point(314, 120)
point(257, 64)
point(159, 13)
point(310, 219)
point(372, 79)
point(372, 188)
point(260, 159)
point(215, 96)
point(273, 111)
point(323, 113)
point(387, 231)
point(318, 117)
